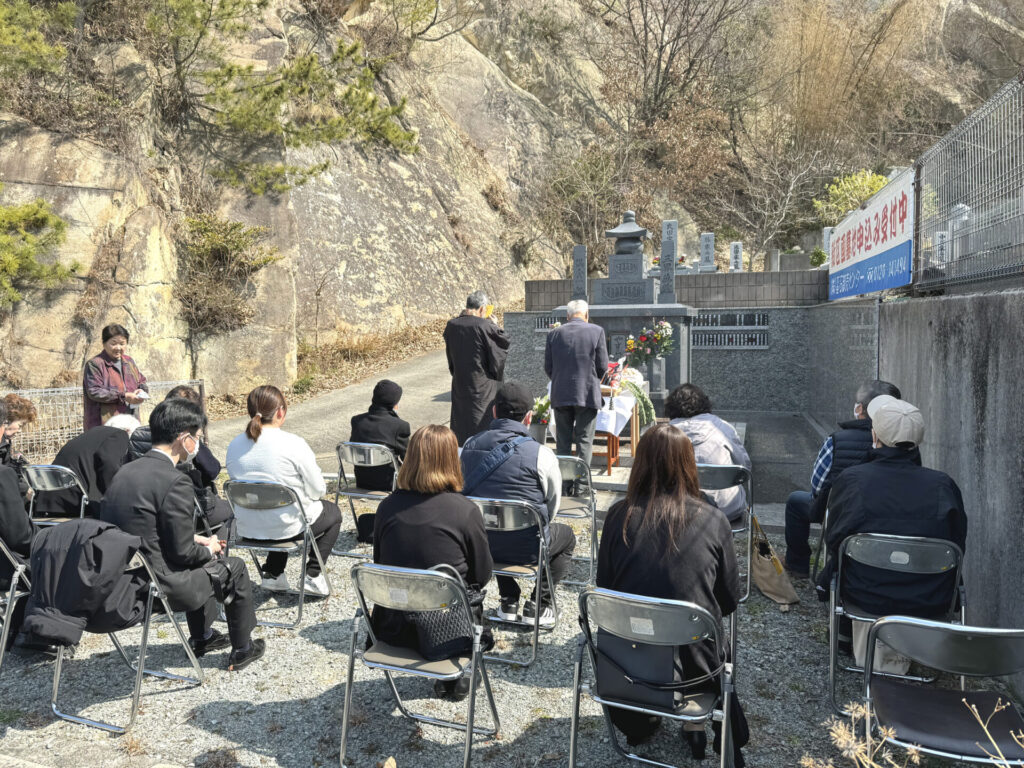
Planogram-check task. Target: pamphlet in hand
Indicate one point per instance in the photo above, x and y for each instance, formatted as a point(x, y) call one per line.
point(142, 394)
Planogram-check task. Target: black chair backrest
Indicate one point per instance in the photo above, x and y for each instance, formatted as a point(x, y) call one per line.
point(953, 648)
point(718, 477)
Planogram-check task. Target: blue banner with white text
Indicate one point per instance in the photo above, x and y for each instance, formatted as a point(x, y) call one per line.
point(888, 269)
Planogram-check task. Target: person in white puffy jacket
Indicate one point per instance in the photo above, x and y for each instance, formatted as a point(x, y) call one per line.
point(714, 442)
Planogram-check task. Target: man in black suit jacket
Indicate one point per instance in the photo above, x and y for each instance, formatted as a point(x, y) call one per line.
point(95, 456)
point(151, 499)
point(381, 425)
point(576, 359)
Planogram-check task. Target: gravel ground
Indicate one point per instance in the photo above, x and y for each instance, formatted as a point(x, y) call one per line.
point(286, 710)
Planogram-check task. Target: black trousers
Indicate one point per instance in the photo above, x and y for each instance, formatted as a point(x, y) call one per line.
point(560, 546)
point(230, 585)
point(325, 532)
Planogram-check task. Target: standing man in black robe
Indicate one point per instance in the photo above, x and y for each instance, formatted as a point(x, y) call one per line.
point(476, 349)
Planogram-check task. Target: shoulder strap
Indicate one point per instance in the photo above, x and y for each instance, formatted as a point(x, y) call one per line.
point(497, 456)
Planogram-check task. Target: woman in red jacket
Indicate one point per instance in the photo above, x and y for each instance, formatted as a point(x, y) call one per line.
point(112, 383)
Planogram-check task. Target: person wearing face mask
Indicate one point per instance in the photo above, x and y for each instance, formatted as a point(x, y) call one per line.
point(151, 499)
point(846, 447)
point(112, 383)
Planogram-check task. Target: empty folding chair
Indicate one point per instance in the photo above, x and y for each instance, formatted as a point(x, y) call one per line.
point(913, 555)
point(719, 477)
point(19, 588)
point(410, 589)
point(361, 455)
point(152, 593)
point(254, 495)
point(579, 504)
point(44, 478)
point(939, 721)
point(505, 515)
point(649, 627)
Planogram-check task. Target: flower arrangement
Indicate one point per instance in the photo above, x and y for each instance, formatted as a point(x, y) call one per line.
point(542, 410)
point(650, 343)
point(656, 261)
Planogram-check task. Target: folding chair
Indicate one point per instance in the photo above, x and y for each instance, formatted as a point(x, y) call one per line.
point(937, 721)
point(52, 477)
point(409, 589)
point(361, 455)
point(648, 621)
point(816, 562)
point(507, 516)
point(154, 592)
point(581, 504)
point(916, 555)
point(8, 600)
point(264, 496)
point(719, 477)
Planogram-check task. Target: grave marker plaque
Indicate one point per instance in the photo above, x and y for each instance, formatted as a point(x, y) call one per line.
point(669, 240)
point(707, 252)
point(736, 256)
point(579, 273)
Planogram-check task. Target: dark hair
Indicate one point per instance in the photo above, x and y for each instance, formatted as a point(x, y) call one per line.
point(662, 482)
point(172, 417)
point(113, 330)
point(873, 388)
point(432, 462)
point(476, 300)
point(262, 403)
point(3, 412)
point(185, 391)
point(687, 401)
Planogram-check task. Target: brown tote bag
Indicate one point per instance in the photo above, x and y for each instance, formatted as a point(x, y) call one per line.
point(769, 575)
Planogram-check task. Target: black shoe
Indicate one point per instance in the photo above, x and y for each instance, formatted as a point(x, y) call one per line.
point(698, 741)
point(452, 690)
point(239, 660)
point(31, 643)
point(216, 642)
point(643, 733)
point(796, 573)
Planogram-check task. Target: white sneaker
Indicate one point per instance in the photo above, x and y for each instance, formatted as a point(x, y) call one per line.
point(279, 584)
point(547, 614)
point(508, 610)
point(317, 585)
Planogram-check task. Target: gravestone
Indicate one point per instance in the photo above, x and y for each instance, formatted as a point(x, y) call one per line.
point(773, 260)
point(826, 239)
point(707, 252)
point(736, 256)
point(669, 239)
point(579, 273)
point(627, 281)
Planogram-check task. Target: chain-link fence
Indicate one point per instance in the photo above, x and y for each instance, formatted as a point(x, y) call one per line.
point(971, 196)
point(59, 416)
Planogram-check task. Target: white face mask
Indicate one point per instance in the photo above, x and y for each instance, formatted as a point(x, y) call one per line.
point(195, 450)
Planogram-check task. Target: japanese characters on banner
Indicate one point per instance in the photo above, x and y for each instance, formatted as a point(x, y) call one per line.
point(872, 249)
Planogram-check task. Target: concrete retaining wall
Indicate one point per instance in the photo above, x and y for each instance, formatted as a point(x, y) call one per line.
point(961, 361)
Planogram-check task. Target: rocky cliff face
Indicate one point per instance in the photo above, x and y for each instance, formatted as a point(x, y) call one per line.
point(377, 241)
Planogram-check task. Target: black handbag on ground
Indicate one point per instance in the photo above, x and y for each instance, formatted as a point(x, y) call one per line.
point(448, 632)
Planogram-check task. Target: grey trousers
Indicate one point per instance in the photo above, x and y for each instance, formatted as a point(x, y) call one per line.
point(575, 424)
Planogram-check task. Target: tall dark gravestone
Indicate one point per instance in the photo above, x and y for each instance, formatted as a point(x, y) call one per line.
point(669, 240)
point(579, 273)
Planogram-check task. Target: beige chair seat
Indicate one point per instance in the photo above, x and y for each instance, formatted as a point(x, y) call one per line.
point(362, 493)
point(52, 520)
point(515, 570)
point(570, 506)
point(697, 704)
point(270, 545)
point(386, 655)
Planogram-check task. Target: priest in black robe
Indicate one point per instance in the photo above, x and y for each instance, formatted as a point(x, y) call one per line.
point(476, 349)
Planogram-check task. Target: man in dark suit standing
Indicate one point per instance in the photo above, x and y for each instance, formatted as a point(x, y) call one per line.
point(151, 499)
point(381, 425)
point(476, 349)
point(576, 359)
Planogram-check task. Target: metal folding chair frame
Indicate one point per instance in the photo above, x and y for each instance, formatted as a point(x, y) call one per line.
point(447, 591)
point(720, 477)
point(580, 471)
point(999, 667)
point(702, 626)
point(836, 608)
point(286, 497)
point(508, 515)
point(42, 478)
point(19, 576)
point(347, 451)
point(140, 670)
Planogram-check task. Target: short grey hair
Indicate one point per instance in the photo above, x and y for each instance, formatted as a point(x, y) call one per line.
point(873, 388)
point(124, 421)
point(576, 308)
point(476, 300)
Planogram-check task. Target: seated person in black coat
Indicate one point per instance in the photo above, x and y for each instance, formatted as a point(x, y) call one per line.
point(16, 530)
point(202, 470)
point(20, 411)
point(427, 521)
point(95, 456)
point(663, 540)
point(151, 499)
point(381, 425)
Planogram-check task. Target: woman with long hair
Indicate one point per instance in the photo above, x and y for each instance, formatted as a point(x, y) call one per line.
point(426, 522)
point(267, 452)
point(663, 540)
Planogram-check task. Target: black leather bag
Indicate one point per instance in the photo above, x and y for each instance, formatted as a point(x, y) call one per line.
point(623, 668)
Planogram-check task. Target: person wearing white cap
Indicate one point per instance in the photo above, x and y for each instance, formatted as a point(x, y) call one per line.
point(892, 493)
